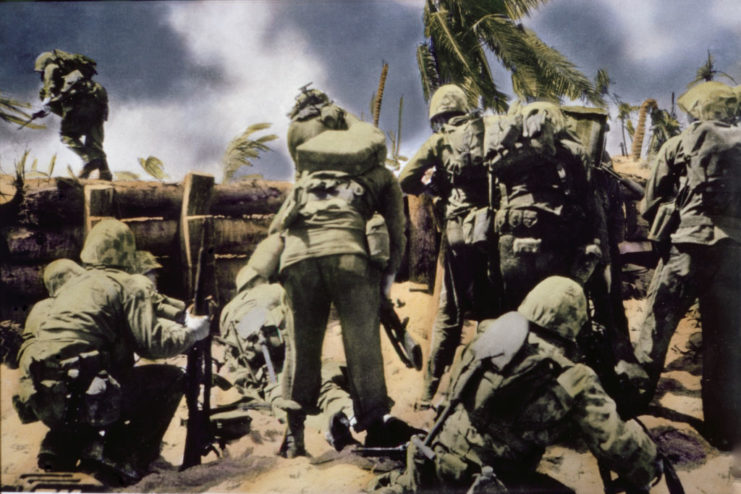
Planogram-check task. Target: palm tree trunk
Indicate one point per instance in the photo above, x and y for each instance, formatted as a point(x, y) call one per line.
point(641, 128)
point(379, 94)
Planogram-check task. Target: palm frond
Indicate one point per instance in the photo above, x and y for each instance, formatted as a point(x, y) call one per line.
point(427, 70)
point(243, 149)
point(154, 167)
point(124, 175)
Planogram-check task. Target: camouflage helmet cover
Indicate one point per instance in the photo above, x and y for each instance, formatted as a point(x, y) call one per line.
point(448, 99)
point(58, 272)
point(557, 304)
point(145, 262)
point(110, 243)
point(710, 100)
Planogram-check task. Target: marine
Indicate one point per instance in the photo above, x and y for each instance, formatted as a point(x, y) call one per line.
point(327, 259)
point(694, 198)
point(105, 415)
point(518, 388)
point(459, 185)
point(69, 91)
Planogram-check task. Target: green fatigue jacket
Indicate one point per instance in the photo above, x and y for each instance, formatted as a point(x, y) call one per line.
point(506, 419)
point(709, 206)
point(460, 182)
point(109, 311)
point(338, 226)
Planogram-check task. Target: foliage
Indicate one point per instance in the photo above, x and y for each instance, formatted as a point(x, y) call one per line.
point(707, 72)
point(153, 166)
point(11, 111)
point(625, 112)
point(124, 175)
point(243, 149)
point(36, 173)
point(602, 82)
point(458, 34)
point(664, 125)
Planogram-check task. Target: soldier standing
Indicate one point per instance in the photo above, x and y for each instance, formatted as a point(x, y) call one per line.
point(460, 186)
point(547, 219)
point(69, 91)
point(327, 259)
point(698, 174)
point(517, 389)
point(105, 416)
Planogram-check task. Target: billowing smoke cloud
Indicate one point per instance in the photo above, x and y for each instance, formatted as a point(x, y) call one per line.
point(184, 78)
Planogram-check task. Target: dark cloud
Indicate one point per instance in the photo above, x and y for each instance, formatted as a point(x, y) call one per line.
point(139, 56)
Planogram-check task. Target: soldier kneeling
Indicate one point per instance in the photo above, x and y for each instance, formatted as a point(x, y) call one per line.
point(517, 389)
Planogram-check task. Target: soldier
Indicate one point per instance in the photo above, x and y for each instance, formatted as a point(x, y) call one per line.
point(699, 174)
point(327, 259)
point(69, 91)
point(459, 185)
point(106, 416)
point(547, 220)
point(517, 389)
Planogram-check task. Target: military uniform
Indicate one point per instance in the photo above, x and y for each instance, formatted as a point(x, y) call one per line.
point(547, 219)
point(81, 363)
point(326, 261)
point(518, 389)
point(700, 173)
point(69, 91)
point(460, 183)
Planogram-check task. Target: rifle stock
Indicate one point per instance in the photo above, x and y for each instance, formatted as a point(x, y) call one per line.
point(198, 439)
point(406, 348)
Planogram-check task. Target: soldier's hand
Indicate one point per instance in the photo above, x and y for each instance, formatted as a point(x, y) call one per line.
point(388, 280)
point(38, 114)
point(199, 326)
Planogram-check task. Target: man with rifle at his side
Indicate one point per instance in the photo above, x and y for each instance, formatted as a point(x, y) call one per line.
point(105, 415)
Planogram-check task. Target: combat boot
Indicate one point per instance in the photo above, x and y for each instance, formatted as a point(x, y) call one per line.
point(338, 432)
point(293, 439)
point(59, 451)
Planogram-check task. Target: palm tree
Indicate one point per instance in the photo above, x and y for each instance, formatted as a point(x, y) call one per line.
point(243, 149)
point(625, 111)
point(458, 34)
point(640, 131)
point(602, 83)
point(707, 72)
point(11, 111)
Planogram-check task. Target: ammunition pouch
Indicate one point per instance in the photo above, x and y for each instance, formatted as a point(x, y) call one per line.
point(665, 223)
point(474, 228)
point(377, 238)
point(76, 390)
point(518, 220)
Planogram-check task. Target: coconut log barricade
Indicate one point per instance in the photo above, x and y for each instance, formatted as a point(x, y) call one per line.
point(48, 219)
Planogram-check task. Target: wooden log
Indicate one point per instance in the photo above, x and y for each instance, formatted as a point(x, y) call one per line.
point(24, 281)
point(33, 245)
point(197, 189)
point(61, 201)
point(98, 204)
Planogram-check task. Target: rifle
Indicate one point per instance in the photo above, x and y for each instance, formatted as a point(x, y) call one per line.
point(635, 189)
point(396, 452)
point(34, 116)
point(406, 348)
point(199, 439)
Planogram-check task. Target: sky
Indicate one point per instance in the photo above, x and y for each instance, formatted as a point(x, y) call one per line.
point(185, 78)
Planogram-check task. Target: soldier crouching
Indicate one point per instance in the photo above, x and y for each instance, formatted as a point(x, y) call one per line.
point(105, 416)
point(516, 390)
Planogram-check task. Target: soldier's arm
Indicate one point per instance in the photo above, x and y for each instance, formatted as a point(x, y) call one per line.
point(623, 446)
point(154, 337)
point(665, 170)
point(391, 208)
point(426, 157)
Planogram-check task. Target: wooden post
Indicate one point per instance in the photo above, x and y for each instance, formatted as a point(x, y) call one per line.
point(98, 204)
point(197, 190)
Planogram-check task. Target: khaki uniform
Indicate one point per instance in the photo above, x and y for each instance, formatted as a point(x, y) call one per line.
point(522, 395)
point(83, 105)
point(81, 364)
point(460, 182)
point(703, 261)
point(325, 261)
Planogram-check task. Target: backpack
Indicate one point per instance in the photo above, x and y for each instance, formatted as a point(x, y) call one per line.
point(464, 140)
point(69, 62)
point(712, 152)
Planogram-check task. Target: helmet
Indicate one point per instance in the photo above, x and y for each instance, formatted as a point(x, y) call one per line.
point(448, 99)
point(110, 243)
point(711, 100)
point(58, 272)
point(43, 60)
point(557, 304)
point(145, 262)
